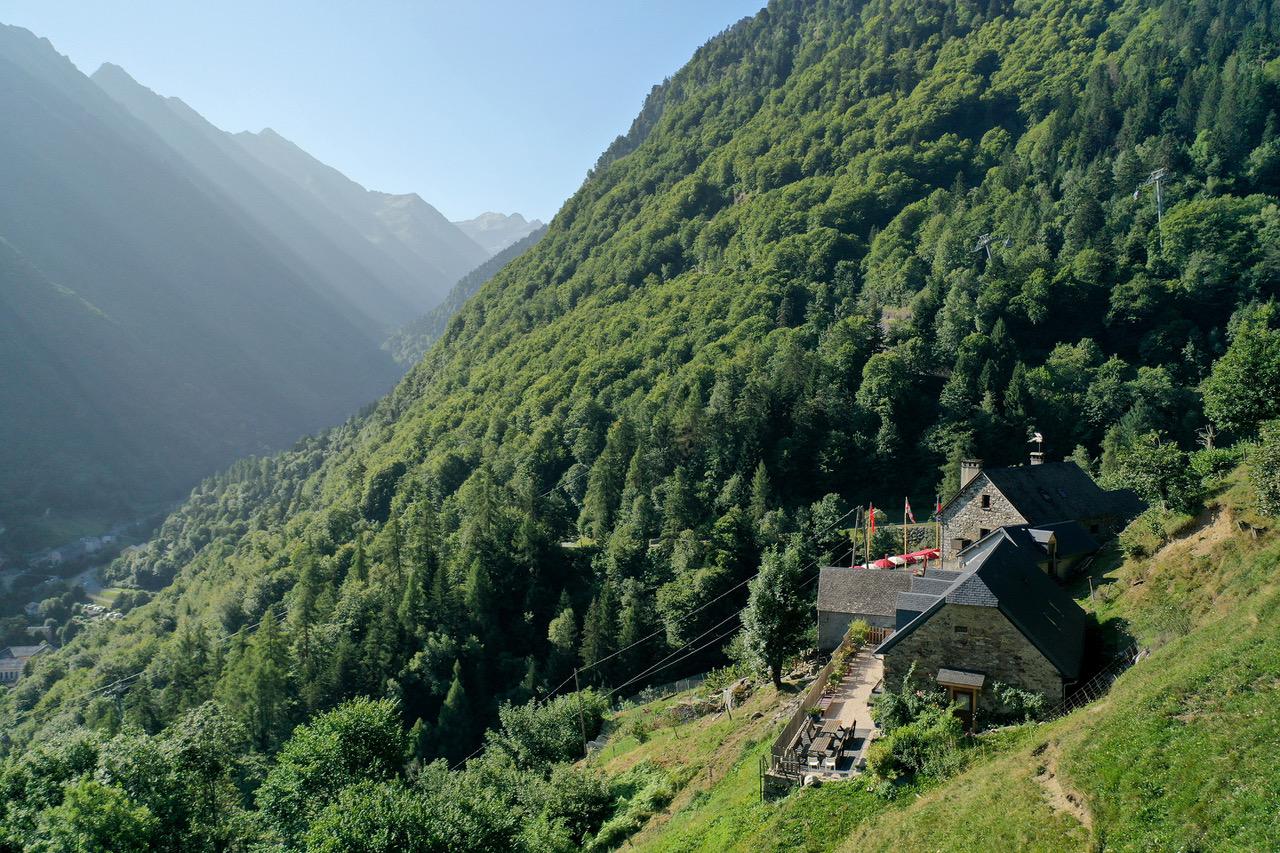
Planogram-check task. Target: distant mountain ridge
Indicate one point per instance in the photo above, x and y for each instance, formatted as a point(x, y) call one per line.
point(168, 304)
point(497, 231)
point(411, 342)
point(360, 245)
point(403, 225)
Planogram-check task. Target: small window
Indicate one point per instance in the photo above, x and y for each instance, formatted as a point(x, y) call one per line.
point(986, 501)
point(962, 629)
point(983, 532)
point(965, 543)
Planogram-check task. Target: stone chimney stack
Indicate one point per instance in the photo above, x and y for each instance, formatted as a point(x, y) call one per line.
point(969, 468)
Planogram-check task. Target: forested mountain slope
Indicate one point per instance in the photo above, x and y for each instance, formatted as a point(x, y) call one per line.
point(762, 307)
point(154, 334)
point(411, 342)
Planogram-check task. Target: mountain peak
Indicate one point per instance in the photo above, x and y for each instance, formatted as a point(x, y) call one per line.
point(496, 231)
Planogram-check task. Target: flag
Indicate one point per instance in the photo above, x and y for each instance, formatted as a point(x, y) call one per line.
point(871, 521)
point(937, 508)
point(906, 510)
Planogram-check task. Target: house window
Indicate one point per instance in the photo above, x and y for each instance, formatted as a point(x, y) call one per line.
point(983, 532)
point(986, 501)
point(962, 629)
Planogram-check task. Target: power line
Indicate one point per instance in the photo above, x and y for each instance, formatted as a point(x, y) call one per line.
point(120, 682)
point(707, 604)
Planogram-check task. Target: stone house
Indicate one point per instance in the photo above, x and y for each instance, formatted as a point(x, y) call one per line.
point(14, 658)
point(1058, 548)
point(1001, 619)
point(1040, 495)
point(849, 593)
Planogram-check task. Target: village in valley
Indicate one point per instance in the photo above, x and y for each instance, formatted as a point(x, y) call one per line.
point(977, 614)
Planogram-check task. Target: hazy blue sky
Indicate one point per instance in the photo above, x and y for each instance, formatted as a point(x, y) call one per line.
point(474, 105)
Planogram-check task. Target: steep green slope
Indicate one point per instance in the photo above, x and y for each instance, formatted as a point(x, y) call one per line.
point(1177, 756)
point(411, 342)
point(763, 304)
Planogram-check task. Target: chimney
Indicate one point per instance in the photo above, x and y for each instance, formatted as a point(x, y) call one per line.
point(969, 468)
point(1037, 458)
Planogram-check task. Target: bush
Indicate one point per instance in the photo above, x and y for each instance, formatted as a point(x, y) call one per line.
point(717, 680)
point(928, 746)
point(1016, 704)
point(859, 630)
point(578, 799)
point(1211, 465)
point(537, 737)
point(1264, 469)
point(637, 727)
point(1152, 529)
point(361, 740)
point(896, 708)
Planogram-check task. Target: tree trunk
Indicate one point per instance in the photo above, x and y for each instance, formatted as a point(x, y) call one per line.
point(775, 670)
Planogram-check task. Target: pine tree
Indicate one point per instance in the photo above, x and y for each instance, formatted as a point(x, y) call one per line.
point(257, 687)
point(759, 494)
point(598, 632)
point(455, 727)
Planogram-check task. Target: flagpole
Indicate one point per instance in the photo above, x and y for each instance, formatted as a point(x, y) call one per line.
point(905, 504)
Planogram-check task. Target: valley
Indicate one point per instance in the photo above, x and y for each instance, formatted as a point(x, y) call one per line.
point(853, 257)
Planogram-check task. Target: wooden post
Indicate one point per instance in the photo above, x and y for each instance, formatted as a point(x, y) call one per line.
point(581, 722)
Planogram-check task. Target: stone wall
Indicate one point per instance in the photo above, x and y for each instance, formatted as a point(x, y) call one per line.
point(832, 626)
point(965, 518)
point(988, 643)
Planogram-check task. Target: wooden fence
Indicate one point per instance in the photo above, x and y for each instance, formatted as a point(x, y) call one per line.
point(782, 759)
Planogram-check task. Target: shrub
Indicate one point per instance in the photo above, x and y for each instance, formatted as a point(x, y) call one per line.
point(928, 746)
point(361, 740)
point(859, 630)
point(1264, 469)
point(1211, 465)
point(637, 727)
point(537, 737)
point(717, 680)
point(1016, 704)
point(896, 708)
point(579, 799)
point(1152, 529)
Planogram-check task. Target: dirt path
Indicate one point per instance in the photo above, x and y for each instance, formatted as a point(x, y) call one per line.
point(1060, 796)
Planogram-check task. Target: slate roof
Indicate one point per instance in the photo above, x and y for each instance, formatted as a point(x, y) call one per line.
point(961, 678)
point(1073, 540)
point(1057, 491)
point(23, 651)
point(1006, 577)
point(915, 602)
point(872, 591)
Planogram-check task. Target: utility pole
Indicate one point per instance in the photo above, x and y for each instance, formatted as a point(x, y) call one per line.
point(986, 240)
point(1156, 179)
point(581, 722)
